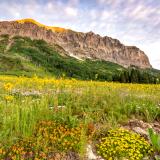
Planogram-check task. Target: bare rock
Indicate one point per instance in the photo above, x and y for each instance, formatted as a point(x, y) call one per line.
point(71, 156)
point(141, 127)
point(78, 44)
point(140, 130)
point(90, 154)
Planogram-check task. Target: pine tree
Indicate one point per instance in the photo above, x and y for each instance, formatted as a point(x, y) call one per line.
point(126, 74)
point(122, 78)
point(134, 76)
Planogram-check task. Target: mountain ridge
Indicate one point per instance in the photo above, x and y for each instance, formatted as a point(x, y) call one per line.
point(78, 44)
point(53, 28)
point(22, 56)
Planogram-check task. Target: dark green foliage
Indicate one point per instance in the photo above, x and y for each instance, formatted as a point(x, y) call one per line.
point(134, 78)
point(8, 63)
point(135, 75)
point(3, 43)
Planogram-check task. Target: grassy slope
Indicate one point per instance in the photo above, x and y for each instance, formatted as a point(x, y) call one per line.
point(26, 56)
point(23, 56)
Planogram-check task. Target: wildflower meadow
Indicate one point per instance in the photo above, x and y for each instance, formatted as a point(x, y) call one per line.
point(47, 118)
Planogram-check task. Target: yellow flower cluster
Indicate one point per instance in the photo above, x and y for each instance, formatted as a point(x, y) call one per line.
point(8, 86)
point(121, 143)
point(2, 152)
point(9, 98)
point(25, 83)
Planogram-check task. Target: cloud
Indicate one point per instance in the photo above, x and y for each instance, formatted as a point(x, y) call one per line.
point(93, 13)
point(133, 22)
point(71, 11)
point(73, 2)
point(105, 15)
point(153, 52)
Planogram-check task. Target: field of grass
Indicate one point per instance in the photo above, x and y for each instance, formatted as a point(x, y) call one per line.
point(44, 116)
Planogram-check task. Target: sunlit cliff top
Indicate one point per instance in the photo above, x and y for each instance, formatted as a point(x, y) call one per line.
point(54, 29)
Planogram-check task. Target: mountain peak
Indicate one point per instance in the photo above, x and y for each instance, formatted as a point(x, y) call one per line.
point(53, 28)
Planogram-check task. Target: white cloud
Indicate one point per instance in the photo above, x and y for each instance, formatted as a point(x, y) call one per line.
point(71, 11)
point(142, 12)
point(73, 2)
point(49, 5)
point(93, 24)
point(17, 15)
point(93, 14)
point(153, 52)
point(105, 15)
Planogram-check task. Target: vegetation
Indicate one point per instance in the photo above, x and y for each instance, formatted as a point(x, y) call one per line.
point(43, 116)
point(23, 56)
point(121, 144)
point(40, 115)
point(48, 137)
point(155, 139)
point(135, 75)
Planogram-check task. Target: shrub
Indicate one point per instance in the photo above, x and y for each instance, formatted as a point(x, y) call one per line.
point(59, 136)
point(155, 139)
point(49, 138)
point(121, 143)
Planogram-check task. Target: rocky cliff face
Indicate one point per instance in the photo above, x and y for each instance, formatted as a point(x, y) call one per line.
point(77, 44)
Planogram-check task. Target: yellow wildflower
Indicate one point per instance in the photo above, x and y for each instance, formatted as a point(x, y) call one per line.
point(8, 86)
point(8, 98)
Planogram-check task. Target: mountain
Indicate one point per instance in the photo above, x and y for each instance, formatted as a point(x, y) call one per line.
point(26, 56)
point(77, 44)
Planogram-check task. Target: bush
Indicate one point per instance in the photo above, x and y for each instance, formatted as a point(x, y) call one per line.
point(121, 143)
point(49, 138)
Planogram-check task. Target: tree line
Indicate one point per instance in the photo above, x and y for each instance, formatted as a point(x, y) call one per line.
point(137, 76)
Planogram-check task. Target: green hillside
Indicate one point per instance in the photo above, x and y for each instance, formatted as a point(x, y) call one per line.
point(23, 56)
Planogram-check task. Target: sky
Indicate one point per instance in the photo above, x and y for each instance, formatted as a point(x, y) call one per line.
point(133, 22)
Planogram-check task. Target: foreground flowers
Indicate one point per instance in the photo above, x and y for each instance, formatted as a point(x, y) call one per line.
point(8, 86)
point(9, 98)
point(121, 143)
point(41, 117)
point(49, 138)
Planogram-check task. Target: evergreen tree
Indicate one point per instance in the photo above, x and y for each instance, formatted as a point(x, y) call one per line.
point(122, 78)
point(116, 77)
point(126, 74)
point(134, 76)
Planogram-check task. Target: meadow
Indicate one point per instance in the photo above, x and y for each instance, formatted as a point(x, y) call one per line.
point(41, 117)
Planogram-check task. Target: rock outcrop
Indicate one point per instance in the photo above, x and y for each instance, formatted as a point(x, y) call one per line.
point(78, 44)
